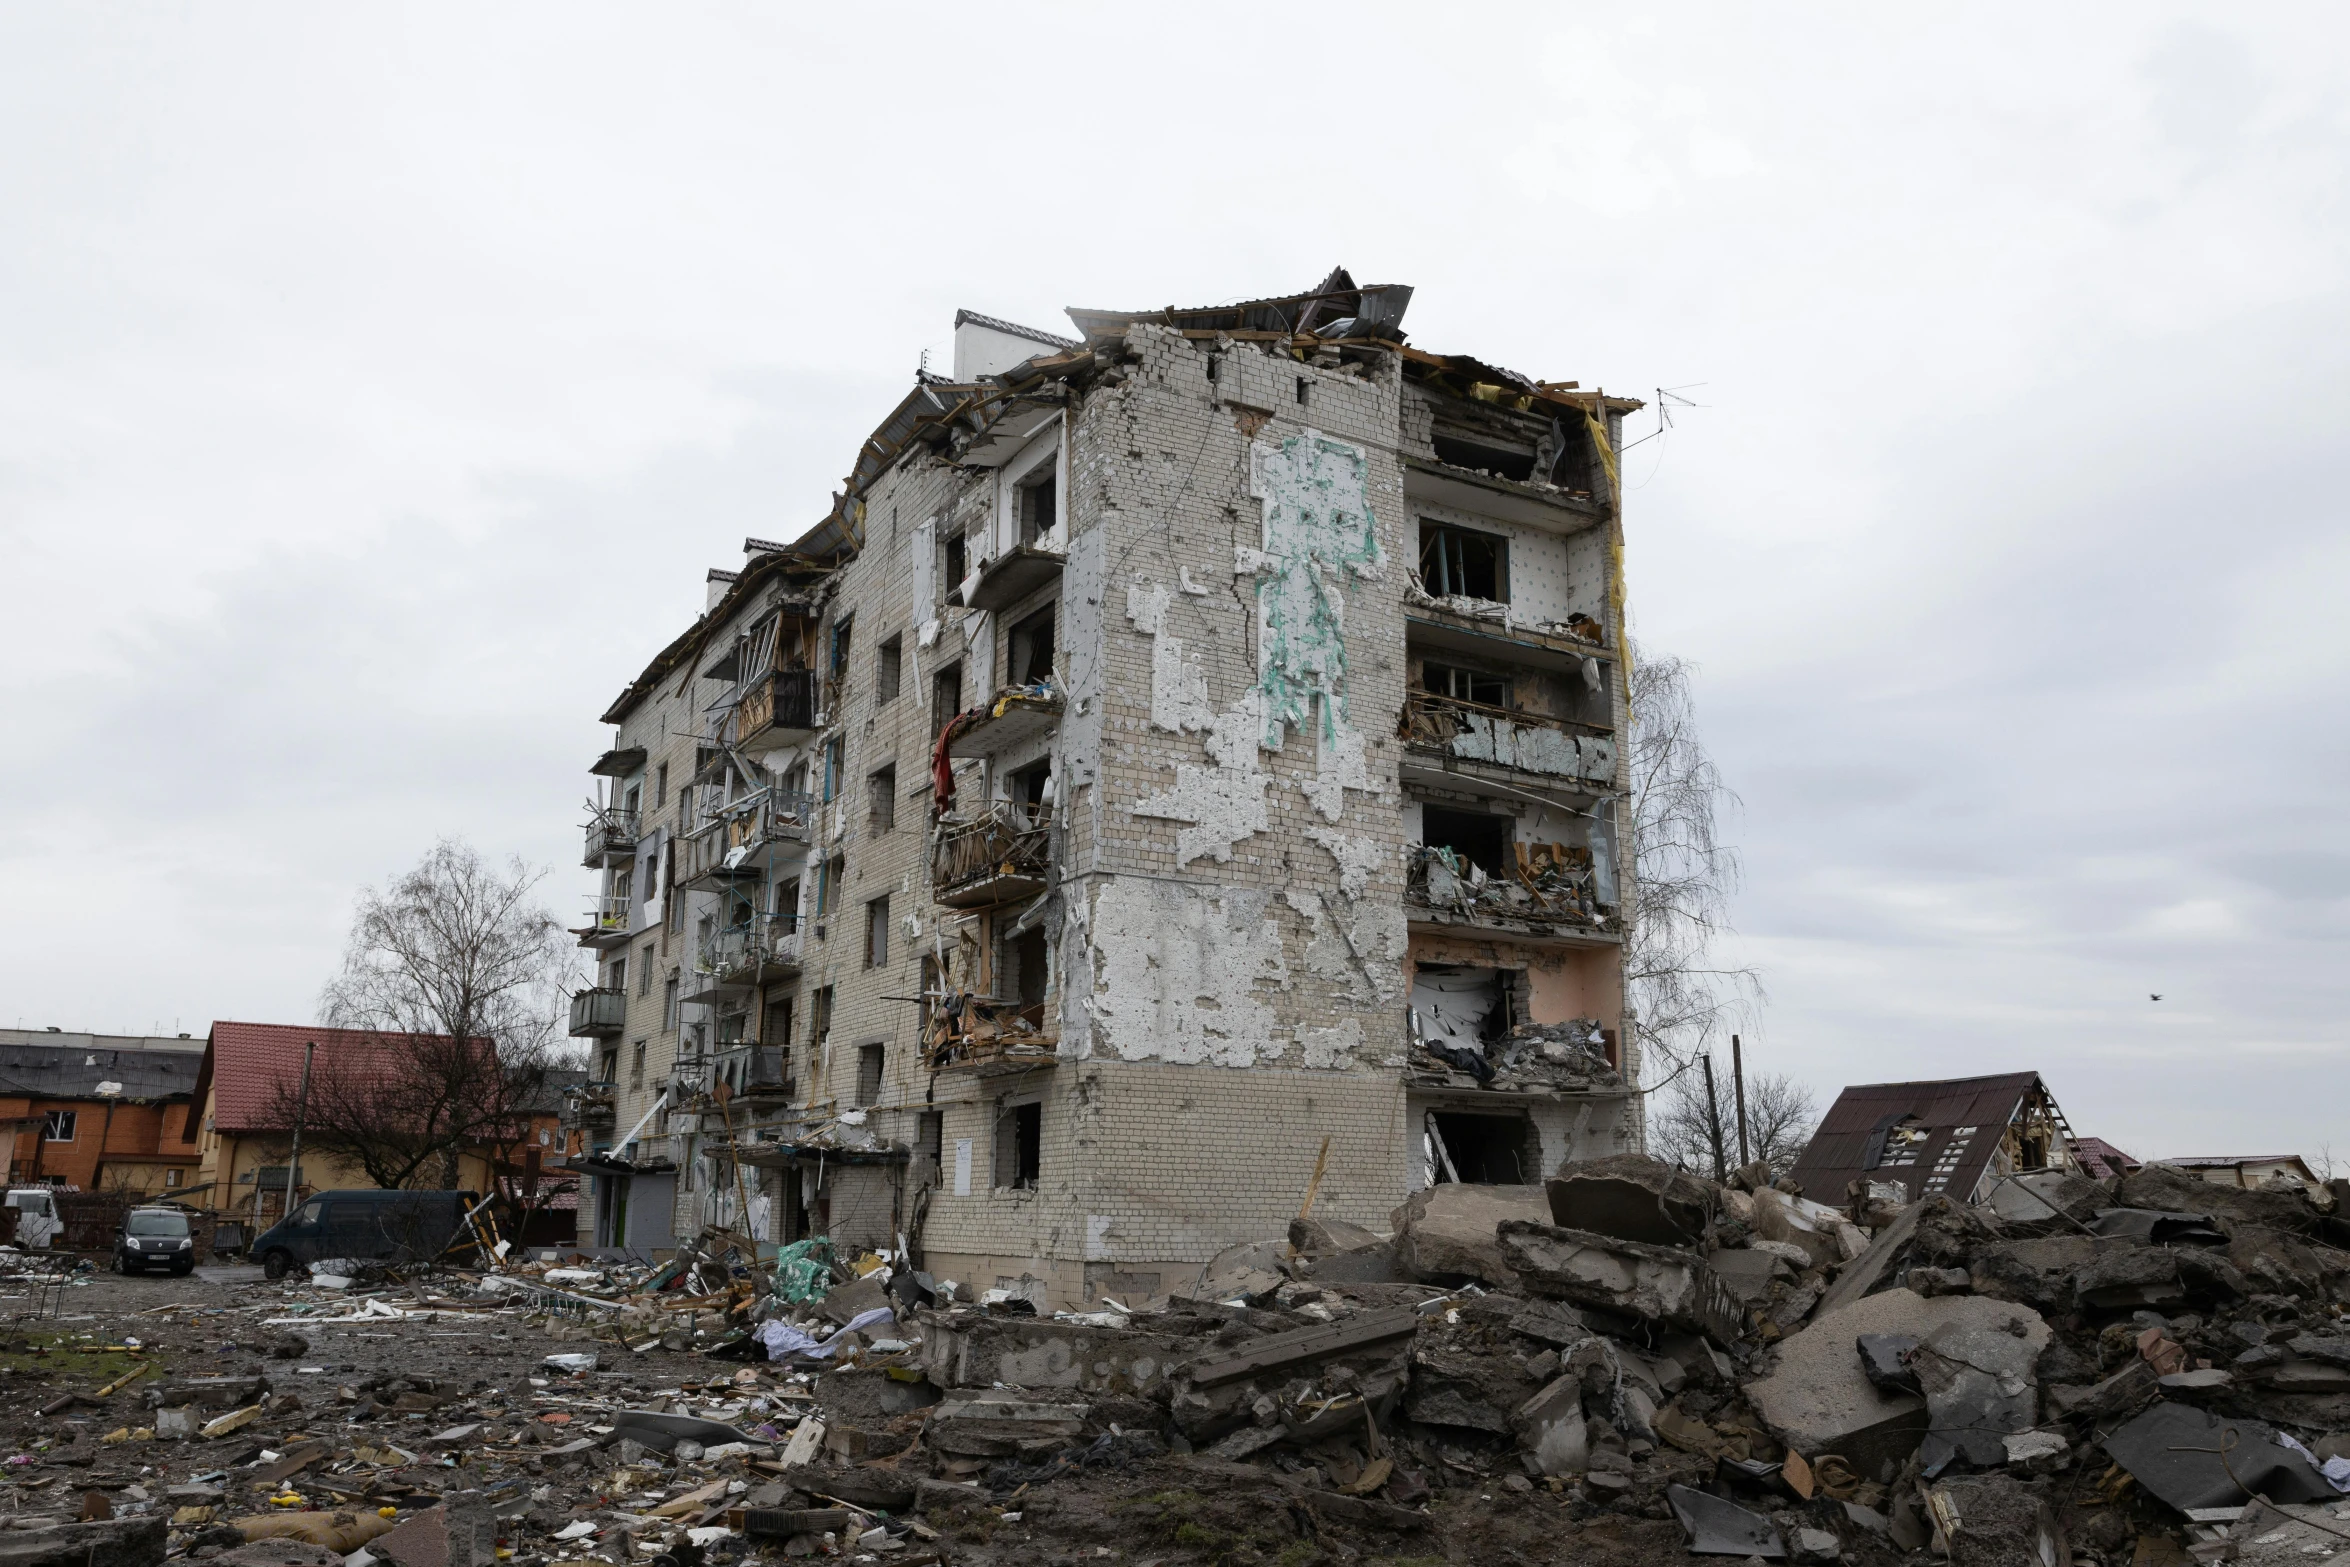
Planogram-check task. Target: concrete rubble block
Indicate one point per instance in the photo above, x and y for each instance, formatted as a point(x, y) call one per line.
point(280, 1553)
point(1466, 1391)
point(177, 1425)
point(972, 1350)
point(994, 1425)
point(2118, 1394)
point(229, 1392)
point(1864, 1273)
point(1654, 1283)
point(1249, 1272)
point(1551, 1429)
point(2157, 1278)
point(1328, 1237)
point(2039, 1273)
point(2170, 1189)
point(1450, 1231)
point(1748, 1272)
point(1884, 1360)
point(1632, 1198)
point(1818, 1397)
point(1814, 1545)
point(1977, 1370)
point(109, 1542)
point(2047, 1195)
point(458, 1533)
point(1551, 1322)
point(1995, 1520)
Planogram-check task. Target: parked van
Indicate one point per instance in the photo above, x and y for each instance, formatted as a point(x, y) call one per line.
point(371, 1226)
point(37, 1220)
point(155, 1238)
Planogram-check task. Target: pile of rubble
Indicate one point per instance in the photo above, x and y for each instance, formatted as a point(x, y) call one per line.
point(1627, 1364)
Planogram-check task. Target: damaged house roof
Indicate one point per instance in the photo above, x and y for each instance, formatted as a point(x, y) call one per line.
point(1933, 1137)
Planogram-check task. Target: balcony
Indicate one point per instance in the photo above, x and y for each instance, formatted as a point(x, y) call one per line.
point(608, 921)
point(987, 1038)
point(611, 830)
point(591, 1104)
point(1012, 718)
point(1502, 737)
point(739, 843)
point(758, 1073)
point(741, 958)
point(1010, 577)
point(598, 1014)
point(779, 708)
point(1548, 891)
point(1001, 855)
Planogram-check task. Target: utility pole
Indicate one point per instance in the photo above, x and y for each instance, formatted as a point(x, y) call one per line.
point(301, 1108)
point(1713, 1124)
point(1738, 1087)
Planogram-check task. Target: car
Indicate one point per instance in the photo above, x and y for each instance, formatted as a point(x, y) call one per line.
point(37, 1223)
point(153, 1238)
point(366, 1226)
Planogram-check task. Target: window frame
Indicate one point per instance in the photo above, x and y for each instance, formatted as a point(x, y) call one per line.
point(877, 932)
point(889, 669)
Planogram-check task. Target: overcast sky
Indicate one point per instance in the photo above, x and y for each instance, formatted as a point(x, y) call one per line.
point(376, 385)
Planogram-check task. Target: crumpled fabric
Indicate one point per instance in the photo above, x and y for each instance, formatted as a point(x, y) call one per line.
point(781, 1339)
point(803, 1270)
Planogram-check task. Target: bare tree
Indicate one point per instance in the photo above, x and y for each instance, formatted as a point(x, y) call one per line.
point(466, 974)
point(1780, 1114)
point(1683, 874)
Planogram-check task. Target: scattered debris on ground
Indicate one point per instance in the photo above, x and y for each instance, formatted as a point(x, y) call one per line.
point(1627, 1364)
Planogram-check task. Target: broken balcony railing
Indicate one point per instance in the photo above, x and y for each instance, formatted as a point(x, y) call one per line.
point(777, 707)
point(981, 1034)
point(608, 920)
point(764, 948)
point(1542, 883)
point(1507, 737)
point(591, 1104)
point(611, 829)
point(598, 1013)
point(995, 856)
point(730, 845)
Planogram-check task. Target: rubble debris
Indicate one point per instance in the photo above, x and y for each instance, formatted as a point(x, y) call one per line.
point(1451, 1231)
point(1994, 1520)
point(1653, 1283)
point(2192, 1459)
point(1630, 1197)
point(1722, 1528)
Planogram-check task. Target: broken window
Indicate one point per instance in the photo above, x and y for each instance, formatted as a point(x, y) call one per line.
point(57, 1125)
point(882, 789)
point(644, 970)
point(636, 1065)
point(946, 698)
point(1480, 1150)
point(930, 1130)
point(1030, 791)
point(787, 899)
point(616, 977)
point(660, 786)
point(1019, 1143)
point(877, 933)
point(1459, 561)
point(1027, 956)
point(1036, 504)
point(669, 1004)
point(1481, 839)
point(608, 1069)
point(776, 1030)
point(1466, 685)
point(829, 877)
point(869, 1065)
point(955, 568)
point(831, 770)
point(840, 645)
point(888, 666)
point(1032, 650)
point(1500, 461)
point(933, 989)
point(820, 1017)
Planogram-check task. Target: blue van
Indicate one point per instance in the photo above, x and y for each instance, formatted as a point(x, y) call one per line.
point(370, 1226)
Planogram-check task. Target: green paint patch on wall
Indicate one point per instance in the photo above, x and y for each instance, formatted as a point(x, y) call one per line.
point(1318, 532)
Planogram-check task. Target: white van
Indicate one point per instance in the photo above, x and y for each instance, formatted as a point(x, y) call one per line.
point(37, 1223)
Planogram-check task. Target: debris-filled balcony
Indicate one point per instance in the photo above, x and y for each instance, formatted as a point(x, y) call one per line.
point(1464, 731)
point(1544, 889)
point(607, 921)
point(1000, 855)
point(1464, 1038)
point(779, 708)
point(591, 1104)
point(985, 1037)
point(757, 1074)
point(1006, 579)
point(740, 958)
point(1010, 719)
point(739, 841)
point(599, 1013)
point(611, 830)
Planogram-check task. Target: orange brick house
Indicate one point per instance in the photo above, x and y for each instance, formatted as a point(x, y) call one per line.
point(100, 1112)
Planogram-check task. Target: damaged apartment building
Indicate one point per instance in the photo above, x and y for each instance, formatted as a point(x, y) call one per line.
point(1182, 769)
